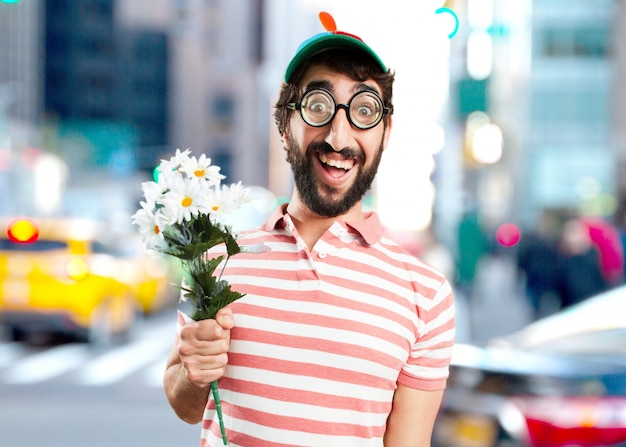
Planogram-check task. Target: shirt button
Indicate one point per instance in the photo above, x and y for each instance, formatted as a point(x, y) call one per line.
point(322, 254)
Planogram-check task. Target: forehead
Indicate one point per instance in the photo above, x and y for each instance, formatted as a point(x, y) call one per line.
point(321, 76)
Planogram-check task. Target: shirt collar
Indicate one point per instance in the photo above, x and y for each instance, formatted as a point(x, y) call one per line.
point(370, 228)
point(276, 219)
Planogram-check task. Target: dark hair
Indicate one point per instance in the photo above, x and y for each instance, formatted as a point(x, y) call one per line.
point(353, 64)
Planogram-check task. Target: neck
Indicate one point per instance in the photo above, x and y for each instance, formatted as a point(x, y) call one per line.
point(312, 226)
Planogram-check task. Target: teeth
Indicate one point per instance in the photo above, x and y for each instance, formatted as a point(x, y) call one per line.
point(340, 164)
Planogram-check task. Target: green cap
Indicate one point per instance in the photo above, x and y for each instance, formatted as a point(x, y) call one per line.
point(329, 40)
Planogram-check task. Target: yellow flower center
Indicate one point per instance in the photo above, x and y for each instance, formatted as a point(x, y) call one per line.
point(199, 173)
point(215, 207)
point(186, 202)
point(156, 229)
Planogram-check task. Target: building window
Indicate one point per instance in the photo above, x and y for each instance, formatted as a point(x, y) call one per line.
point(575, 104)
point(97, 46)
point(102, 83)
point(97, 8)
point(224, 111)
point(573, 42)
point(258, 38)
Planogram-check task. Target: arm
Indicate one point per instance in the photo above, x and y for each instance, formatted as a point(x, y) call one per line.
point(198, 359)
point(412, 417)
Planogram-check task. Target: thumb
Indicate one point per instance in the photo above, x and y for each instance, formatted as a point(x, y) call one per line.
point(224, 318)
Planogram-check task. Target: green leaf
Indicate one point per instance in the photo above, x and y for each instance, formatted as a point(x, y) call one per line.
point(232, 248)
point(190, 242)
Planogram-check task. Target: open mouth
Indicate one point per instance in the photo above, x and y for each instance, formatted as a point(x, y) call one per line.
point(343, 165)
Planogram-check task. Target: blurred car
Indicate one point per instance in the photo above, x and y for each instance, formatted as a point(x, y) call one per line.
point(152, 276)
point(73, 276)
point(560, 381)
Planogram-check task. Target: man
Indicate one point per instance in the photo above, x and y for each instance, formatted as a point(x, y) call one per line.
point(343, 338)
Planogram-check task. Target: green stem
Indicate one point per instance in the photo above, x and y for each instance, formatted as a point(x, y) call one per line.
point(218, 407)
point(219, 278)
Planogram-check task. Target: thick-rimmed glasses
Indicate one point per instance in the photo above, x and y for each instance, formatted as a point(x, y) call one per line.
point(318, 108)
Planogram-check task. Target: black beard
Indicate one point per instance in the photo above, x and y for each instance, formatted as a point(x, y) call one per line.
point(311, 192)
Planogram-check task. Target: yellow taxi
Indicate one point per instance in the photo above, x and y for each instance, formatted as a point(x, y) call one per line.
point(73, 276)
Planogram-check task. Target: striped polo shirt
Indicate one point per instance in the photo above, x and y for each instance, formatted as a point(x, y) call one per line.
point(323, 337)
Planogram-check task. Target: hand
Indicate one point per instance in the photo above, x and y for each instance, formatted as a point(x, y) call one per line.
point(203, 348)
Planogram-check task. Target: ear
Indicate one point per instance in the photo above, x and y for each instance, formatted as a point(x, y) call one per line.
point(387, 132)
point(285, 139)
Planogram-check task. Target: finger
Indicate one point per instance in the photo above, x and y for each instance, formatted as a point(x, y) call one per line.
point(205, 362)
point(203, 377)
point(201, 331)
point(224, 318)
point(204, 338)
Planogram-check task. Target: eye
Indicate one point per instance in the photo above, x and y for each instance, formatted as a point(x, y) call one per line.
point(318, 106)
point(365, 108)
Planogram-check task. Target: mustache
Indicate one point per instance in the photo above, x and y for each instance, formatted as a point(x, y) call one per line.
point(324, 148)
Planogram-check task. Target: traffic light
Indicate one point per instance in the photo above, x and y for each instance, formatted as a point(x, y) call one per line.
point(10, 1)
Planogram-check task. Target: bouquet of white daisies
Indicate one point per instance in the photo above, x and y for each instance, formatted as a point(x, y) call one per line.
point(183, 216)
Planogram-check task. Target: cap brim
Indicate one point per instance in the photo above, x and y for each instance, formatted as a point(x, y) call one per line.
point(327, 41)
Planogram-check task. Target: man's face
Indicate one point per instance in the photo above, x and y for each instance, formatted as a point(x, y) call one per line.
point(334, 165)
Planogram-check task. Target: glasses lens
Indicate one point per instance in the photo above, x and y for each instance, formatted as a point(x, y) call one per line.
point(366, 110)
point(318, 107)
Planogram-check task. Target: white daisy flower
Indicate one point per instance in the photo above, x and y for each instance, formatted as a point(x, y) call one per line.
point(237, 193)
point(185, 200)
point(166, 215)
point(166, 167)
point(150, 225)
point(153, 193)
point(202, 169)
point(168, 178)
point(218, 204)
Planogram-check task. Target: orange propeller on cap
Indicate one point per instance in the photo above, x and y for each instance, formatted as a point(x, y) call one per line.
point(328, 22)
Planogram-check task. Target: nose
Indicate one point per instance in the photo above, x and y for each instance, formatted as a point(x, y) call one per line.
point(340, 130)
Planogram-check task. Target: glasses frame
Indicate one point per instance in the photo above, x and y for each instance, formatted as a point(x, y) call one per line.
point(298, 106)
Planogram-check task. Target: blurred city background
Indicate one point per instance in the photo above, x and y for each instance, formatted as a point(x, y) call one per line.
point(506, 166)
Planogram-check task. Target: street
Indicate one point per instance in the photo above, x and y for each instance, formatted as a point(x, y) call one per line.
point(498, 306)
point(55, 415)
point(72, 395)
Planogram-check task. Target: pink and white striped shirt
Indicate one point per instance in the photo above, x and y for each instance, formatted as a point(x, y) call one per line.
point(323, 337)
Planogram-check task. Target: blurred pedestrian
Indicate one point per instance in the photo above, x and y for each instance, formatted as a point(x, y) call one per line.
point(607, 240)
point(621, 228)
point(471, 246)
point(580, 274)
point(538, 260)
point(342, 336)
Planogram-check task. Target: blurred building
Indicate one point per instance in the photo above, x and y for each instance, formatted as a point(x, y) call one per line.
point(21, 87)
point(113, 86)
point(161, 75)
point(544, 72)
point(105, 83)
point(218, 49)
point(21, 64)
point(569, 157)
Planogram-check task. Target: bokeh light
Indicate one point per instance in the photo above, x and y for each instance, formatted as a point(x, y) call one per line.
point(508, 235)
point(22, 231)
